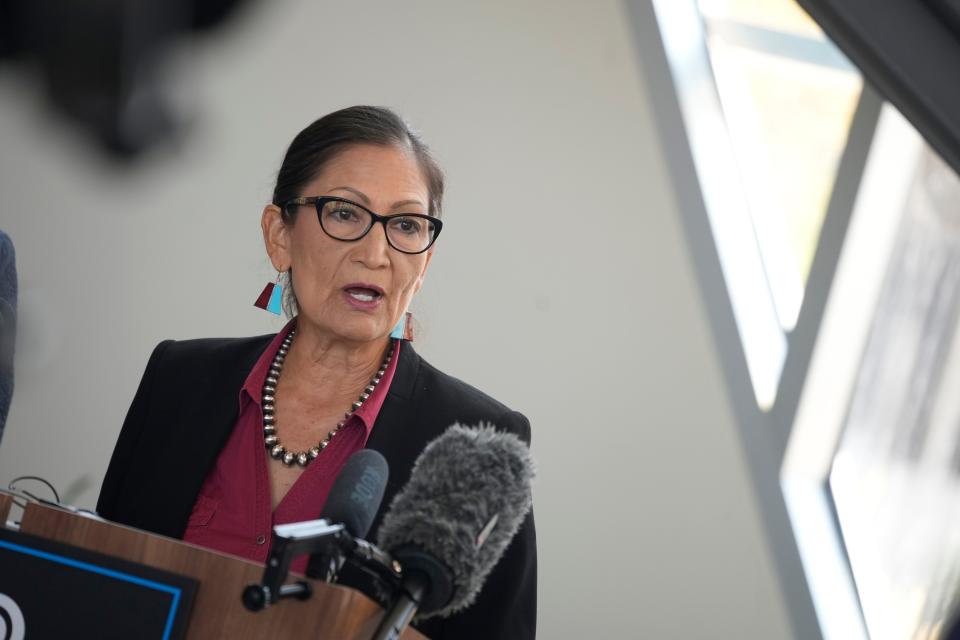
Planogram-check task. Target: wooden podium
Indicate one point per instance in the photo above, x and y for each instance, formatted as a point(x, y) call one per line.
point(332, 612)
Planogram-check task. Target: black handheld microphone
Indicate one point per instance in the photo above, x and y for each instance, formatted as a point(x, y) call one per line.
point(353, 501)
point(468, 494)
point(8, 317)
point(357, 492)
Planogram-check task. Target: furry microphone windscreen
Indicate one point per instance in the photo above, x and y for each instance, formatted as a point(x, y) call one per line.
point(8, 307)
point(468, 494)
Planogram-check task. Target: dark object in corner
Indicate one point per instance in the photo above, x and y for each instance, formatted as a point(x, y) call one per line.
point(102, 63)
point(909, 51)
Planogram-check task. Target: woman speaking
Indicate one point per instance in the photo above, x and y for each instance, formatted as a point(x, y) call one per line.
point(226, 438)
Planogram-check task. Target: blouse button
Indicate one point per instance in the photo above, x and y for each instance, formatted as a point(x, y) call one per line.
point(261, 539)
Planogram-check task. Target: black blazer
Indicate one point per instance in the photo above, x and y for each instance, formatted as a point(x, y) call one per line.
point(187, 405)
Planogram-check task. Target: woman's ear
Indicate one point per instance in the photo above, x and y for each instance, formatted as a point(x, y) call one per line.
point(276, 237)
point(423, 271)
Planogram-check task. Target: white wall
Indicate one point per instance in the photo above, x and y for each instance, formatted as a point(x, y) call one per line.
point(562, 284)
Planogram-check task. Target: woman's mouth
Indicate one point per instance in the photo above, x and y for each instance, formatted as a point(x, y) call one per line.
point(363, 296)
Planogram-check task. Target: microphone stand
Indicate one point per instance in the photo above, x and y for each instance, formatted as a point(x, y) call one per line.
point(425, 583)
point(401, 612)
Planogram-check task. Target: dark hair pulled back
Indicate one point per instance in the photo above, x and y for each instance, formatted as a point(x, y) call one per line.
point(325, 138)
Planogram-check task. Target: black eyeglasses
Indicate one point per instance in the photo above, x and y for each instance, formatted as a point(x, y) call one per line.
point(348, 221)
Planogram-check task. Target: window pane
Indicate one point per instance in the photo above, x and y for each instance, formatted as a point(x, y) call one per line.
point(782, 15)
point(789, 122)
point(895, 479)
point(788, 98)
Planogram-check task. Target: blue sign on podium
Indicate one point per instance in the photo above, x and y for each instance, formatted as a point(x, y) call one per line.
point(53, 590)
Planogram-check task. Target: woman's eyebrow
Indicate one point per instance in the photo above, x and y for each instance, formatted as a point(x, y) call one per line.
point(403, 203)
point(365, 200)
point(360, 194)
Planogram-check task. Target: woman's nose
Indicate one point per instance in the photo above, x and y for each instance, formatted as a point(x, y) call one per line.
point(372, 248)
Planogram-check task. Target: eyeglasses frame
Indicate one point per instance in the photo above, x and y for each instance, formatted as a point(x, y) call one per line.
point(319, 201)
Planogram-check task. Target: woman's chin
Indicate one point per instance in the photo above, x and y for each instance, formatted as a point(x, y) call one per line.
point(356, 331)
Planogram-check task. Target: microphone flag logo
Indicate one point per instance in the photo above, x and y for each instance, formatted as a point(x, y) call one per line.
point(487, 529)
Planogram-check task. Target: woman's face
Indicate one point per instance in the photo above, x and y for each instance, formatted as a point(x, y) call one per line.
point(354, 291)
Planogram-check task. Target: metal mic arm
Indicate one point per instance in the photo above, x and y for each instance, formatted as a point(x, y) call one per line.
point(376, 558)
point(426, 585)
point(401, 612)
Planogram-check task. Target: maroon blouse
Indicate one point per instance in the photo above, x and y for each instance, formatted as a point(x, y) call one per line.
point(233, 513)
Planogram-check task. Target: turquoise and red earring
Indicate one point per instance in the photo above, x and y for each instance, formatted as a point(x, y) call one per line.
point(404, 328)
point(271, 297)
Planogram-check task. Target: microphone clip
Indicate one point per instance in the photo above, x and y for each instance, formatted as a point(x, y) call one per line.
point(291, 541)
point(331, 544)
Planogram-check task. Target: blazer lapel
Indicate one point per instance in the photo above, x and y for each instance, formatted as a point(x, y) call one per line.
point(399, 432)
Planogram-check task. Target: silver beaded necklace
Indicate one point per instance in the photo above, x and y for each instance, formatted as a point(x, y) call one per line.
point(270, 439)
